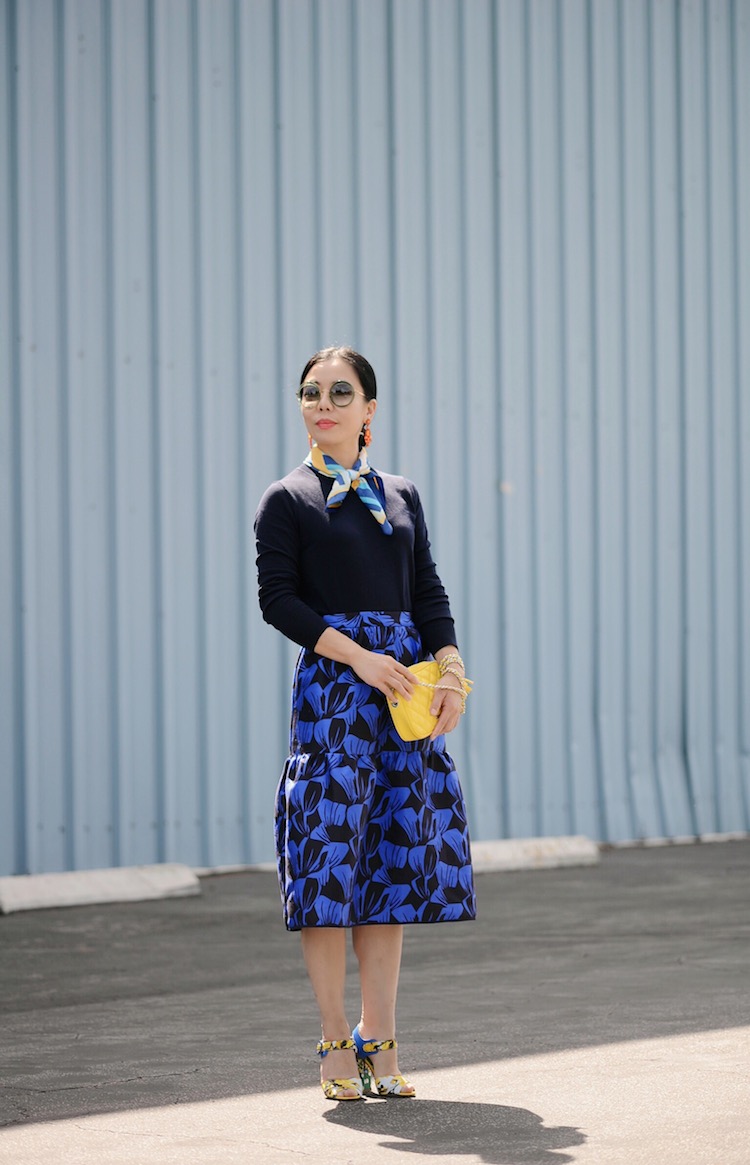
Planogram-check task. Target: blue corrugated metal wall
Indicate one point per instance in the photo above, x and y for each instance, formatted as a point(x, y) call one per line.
point(533, 218)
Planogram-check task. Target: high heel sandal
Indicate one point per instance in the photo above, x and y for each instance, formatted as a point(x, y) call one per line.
point(334, 1089)
point(382, 1085)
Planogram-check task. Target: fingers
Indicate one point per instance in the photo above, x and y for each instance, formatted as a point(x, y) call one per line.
point(444, 725)
point(398, 680)
point(445, 700)
point(446, 705)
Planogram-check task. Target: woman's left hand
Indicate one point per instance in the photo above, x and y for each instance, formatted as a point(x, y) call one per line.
point(446, 705)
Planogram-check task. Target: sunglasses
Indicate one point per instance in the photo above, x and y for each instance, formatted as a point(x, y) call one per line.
point(340, 394)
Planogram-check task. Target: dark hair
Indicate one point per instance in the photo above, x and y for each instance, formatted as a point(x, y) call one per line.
point(355, 360)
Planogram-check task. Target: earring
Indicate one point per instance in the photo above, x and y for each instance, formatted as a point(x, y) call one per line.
point(366, 434)
point(310, 440)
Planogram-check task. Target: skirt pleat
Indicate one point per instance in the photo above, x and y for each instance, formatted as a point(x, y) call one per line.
point(369, 828)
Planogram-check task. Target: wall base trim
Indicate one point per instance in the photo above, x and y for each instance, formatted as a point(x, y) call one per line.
point(86, 887)
point(533, 853)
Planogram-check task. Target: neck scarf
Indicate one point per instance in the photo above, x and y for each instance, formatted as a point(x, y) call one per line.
point(346, 479)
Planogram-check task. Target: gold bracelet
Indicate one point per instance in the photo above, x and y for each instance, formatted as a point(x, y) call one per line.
point(452, 657)
point(445, 669)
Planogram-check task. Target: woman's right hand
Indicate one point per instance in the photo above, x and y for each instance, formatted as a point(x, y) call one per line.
point(384, 673)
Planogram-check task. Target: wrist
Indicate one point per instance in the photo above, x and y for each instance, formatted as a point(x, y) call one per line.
point(453, 674)
point(335, 645)
point(451, 663)
point(357, 655)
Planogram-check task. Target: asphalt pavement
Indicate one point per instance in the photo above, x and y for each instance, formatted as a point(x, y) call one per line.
point(597, 1014)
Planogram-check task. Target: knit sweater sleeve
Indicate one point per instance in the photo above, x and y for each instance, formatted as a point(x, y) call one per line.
point(431, 608)
point(278, 561)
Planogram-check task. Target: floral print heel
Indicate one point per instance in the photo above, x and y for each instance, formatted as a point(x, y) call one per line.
point(336, 1089)
point(381, 1085)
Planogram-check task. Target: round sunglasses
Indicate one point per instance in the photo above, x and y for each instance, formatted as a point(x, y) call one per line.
point(340, 394)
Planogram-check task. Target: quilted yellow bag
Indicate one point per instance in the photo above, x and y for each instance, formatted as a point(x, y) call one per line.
point(412, 718)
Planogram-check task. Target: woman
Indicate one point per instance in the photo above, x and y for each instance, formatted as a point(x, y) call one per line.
point(370, 830)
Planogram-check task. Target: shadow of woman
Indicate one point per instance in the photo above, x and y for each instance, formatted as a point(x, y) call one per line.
point(495, 1133)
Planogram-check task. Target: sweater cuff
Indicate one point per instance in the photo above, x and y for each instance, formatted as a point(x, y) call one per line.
point(438, 633)
point(297, 621)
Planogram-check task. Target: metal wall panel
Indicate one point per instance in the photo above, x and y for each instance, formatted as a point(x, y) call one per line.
point(530, 216)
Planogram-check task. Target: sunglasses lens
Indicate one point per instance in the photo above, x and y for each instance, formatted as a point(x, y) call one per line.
point(342, 393)
point(309, 394)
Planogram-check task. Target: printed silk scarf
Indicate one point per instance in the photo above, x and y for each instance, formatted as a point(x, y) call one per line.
point(346, 479)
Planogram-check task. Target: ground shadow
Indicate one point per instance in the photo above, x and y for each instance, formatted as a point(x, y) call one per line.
point(137, 1005)
point(496, 1133)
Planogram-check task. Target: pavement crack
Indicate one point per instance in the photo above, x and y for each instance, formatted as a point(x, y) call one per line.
point(279, 1148)
point(118, 1132)
point(101, 1083)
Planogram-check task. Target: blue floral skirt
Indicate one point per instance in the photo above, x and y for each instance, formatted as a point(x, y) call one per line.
point(369, 828)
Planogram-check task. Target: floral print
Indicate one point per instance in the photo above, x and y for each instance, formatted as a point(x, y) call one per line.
point(369, 828)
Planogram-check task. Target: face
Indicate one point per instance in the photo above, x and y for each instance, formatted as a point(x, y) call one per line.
point(336, 430)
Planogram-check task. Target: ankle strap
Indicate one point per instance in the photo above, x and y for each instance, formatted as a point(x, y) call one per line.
point(372, 1046)
point(325, 1046)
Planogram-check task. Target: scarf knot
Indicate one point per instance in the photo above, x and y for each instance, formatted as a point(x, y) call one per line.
point(346, 479)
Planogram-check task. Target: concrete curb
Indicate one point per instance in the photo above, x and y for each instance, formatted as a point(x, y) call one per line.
point(530, 853)
point(688, 839)
point(172, 880)
point(533, 853)
point(86, 887)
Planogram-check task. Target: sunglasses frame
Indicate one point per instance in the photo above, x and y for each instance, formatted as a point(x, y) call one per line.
point(308, 404)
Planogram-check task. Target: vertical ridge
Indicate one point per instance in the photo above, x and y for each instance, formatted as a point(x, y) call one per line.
point(201, 610)
point(499, 496)
point(464, 309)
point(595, 450)
point(243, 581)
point(429, 274)
point(157, 507)
point(22, 823)
point(395, 337)
point(655, 658)
point(685, 743)
point(283, 692)
point(356, 249)
point(66, 605)
point(627, 523)
point(538, 710)
point(716, 746)
point(742, 745)
point(569, 718)
point(112, 450)
point(321, 339)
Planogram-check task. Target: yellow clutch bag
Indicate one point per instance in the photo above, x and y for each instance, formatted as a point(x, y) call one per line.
point(412, 718)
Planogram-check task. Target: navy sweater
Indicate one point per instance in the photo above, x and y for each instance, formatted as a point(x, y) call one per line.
point(314, 562)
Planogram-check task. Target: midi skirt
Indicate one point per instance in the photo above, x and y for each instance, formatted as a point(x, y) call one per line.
point(369, 828)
